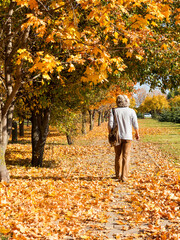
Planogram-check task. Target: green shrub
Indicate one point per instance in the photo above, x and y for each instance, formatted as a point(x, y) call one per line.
point(176, 114)
point(140, 115)
point(172, 115)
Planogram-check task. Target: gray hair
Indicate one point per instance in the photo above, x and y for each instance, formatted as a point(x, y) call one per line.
point(122, 101)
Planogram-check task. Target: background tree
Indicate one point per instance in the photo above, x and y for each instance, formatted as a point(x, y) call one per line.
point(161, 66)
point(175, 102)
point(154, 104)
point(140, 95)
point(173, 113)
point(173, 93)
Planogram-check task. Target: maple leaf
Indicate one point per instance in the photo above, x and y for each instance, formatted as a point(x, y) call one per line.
point(124, 40)
point(164, 46)
point(129, 54)
point(33, 4)
point(22, 2)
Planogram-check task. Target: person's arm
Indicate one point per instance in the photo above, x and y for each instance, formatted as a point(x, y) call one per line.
point(135, 125)
point(111, 121)
point(137, 134)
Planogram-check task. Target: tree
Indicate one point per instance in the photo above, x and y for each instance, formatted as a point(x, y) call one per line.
point(154, 104)
point(140, 95)
point(161, 67)
point(173, 113)
point(173, 93)
point(9, 85)
point(175, 102)
point(66, 122)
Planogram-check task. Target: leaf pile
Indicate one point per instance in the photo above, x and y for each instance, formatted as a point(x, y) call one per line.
point(67, 198)
point(71, 196)
point(151, 198)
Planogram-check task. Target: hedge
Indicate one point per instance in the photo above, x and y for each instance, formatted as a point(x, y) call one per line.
point(172, 115)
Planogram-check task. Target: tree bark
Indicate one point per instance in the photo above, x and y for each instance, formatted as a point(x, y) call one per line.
point(40, 129)
point(91, 119)
point(106, 115)
point(6, 110)
point(102, 117)
point(69, 139)
point(83, 121)
point(99, 118)
point(4, 175)
point(14, 132)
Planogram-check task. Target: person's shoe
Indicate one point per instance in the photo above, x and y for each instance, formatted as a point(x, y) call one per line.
point(115, 177)
point(124, 180)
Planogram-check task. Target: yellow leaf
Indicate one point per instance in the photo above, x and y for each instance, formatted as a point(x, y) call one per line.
point(22, 3)
point(4, 230)
point(153, 23)
point(69, 214)
point(164, 46)
point(115, 41)
point(139, 57)
point(46, 76)
point(23, 54)
point(85, 237)
point(124, 40)
point(116, 35)
point(59, 68)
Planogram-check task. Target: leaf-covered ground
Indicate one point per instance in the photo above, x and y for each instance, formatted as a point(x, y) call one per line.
point(74, 196)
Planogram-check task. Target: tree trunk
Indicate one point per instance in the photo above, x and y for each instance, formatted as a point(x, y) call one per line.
point(6, 110)
point(4, 175)
point(69, 139)
point(14, 132)
point(11, 86)
point(83, 122)
point(106, 115)
point(91, 119)
point(99, 118)
point(21, 128)
point(40, 129)
point(102, 117)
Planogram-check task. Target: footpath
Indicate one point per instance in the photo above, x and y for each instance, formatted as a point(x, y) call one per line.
point(75, 196)
point(148, 205)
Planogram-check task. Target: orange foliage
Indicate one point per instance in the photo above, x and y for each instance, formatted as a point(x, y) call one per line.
point(132, 32)
point(71, 194)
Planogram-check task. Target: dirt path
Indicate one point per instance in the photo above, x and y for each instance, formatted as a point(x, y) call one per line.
point(147, 206)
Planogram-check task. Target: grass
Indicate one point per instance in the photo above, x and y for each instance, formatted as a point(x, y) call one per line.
point(164, 134)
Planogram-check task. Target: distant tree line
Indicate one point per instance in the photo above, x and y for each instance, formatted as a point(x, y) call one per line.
point(165, 108)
